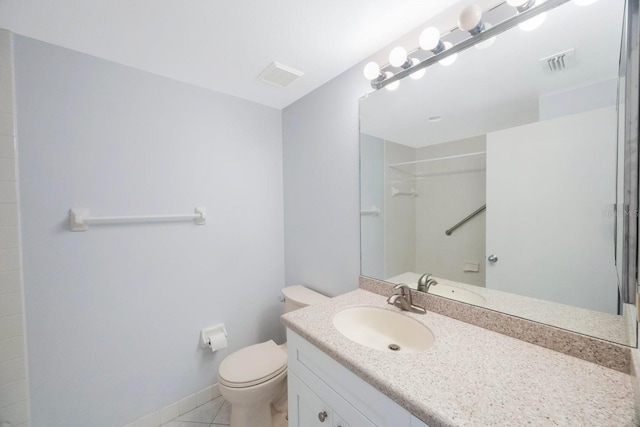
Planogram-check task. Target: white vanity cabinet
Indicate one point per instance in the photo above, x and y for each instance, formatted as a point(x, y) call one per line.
point(323, 393)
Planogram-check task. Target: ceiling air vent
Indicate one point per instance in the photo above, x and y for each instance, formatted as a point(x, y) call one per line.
point(279, 75)
point(559, 61)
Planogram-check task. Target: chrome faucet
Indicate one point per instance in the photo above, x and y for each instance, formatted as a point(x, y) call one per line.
point(403, 300)
point(424, 283)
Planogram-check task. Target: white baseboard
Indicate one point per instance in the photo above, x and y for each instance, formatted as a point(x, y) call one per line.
point(176, 409)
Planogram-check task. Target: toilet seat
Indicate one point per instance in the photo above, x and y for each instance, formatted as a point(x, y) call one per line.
point(252, 365)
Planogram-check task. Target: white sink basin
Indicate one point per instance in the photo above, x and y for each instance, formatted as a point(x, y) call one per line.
point(457, 294)
point(385, 330)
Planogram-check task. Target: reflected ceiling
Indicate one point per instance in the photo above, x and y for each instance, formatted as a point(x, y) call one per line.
point(402, 115)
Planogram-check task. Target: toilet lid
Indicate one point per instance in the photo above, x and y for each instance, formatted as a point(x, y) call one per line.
point(252, 365)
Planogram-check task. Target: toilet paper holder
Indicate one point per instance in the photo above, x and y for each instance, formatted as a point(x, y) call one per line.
point(214, 337)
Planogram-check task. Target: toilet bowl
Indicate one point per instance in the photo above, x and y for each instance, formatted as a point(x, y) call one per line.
point(254, 379)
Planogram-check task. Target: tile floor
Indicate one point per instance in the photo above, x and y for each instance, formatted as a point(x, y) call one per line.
point(215, 413)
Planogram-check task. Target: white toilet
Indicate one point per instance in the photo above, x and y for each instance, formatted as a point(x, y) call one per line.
point(253, 378)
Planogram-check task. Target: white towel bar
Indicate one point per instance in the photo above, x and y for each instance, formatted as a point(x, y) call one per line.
point(371, 212)
point(79, 218)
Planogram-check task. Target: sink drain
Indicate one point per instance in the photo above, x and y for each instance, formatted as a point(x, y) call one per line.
point(394, 347)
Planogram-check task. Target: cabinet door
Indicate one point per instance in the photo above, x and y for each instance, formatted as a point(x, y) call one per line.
point(312, 411)
point(339, 422)
point(307, 409)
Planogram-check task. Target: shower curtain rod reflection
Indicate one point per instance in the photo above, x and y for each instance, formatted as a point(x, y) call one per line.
point(435, 159)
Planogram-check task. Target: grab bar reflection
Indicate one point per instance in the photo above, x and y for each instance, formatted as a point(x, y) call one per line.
point(471, 215)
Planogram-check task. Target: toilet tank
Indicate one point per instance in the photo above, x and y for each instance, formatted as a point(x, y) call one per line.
point(297, 296)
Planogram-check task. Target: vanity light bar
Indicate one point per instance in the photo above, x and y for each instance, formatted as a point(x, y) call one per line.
point(471, 41)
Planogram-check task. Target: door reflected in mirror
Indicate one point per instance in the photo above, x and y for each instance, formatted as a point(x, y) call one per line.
point(501, 175)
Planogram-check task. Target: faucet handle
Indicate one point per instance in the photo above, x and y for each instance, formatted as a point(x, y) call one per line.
point(403, 301)
point(423, 281)
point(405, 290)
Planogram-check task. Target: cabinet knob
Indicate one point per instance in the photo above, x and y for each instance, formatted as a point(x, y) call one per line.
point(492, 258)
point(322, 416)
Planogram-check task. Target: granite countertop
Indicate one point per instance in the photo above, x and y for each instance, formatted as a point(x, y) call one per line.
point(605, 326)
point(472, 376)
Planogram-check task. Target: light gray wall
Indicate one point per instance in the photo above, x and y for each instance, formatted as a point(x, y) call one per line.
point(579, 99)
point(372, 197)
point(114, 313)
point(321, 175)
point(321, 203)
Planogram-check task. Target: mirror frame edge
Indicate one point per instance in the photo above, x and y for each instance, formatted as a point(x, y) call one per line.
point(630, 204)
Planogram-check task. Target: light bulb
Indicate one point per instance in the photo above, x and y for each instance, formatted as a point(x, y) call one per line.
point(417, 74)
point(533, 23)
point(470, 19)
point(450, 59)
point(398, 56)
point(487, 43)
point(521, 5)
point(371, 71)
point(391, 86)
point(429, 38)
point(584, 2)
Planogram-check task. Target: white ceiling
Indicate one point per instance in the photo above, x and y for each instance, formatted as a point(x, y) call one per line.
point(224, 45)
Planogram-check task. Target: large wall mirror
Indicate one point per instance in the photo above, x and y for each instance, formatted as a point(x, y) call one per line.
point(502, 175)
